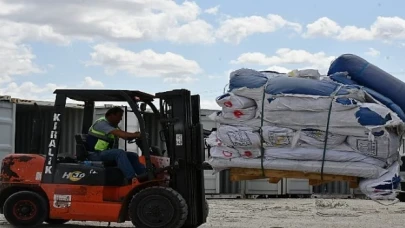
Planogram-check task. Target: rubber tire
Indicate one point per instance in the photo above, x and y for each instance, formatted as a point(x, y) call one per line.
point(401, 197)
point(35, 198)
point(56, 221)
point(163, 193)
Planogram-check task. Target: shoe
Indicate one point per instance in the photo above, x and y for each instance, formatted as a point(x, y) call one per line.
point(141, 178)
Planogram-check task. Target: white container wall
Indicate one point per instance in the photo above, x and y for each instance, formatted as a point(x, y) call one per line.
point(333, 188)
point(132, 126)
point(7, 128)
point(263, 187)
point(212, 181)
point(292, 186)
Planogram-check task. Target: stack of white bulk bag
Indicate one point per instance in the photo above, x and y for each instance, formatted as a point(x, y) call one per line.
point(279, 121)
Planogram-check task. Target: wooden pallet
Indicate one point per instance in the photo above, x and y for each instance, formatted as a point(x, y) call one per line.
point(274, 176)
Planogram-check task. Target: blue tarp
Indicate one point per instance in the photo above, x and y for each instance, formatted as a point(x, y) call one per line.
point(342, 77)
point(247, 78)
point(290, 85)
point(372, 77)
point(251, 79)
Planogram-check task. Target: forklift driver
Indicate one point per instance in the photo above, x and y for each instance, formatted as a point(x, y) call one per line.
point(102, 142)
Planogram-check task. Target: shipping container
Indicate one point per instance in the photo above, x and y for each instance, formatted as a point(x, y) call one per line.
point(292, 186)
point(7, 128)
point(21, 121)
point(263, 187)
point(335, 188)
point(212, 181)
point(228, 187)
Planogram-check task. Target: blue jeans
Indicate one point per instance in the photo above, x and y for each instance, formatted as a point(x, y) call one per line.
point(128, 162)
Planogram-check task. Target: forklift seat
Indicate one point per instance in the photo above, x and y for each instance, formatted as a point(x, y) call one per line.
point(81, 151)
point(112, 174)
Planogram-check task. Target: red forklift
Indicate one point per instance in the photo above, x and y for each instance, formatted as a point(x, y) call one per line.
point(43, 187)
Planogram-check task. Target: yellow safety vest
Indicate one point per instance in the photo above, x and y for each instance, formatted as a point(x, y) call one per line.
point(105, 141)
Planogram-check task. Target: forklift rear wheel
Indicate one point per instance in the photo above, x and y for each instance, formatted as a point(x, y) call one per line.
point(25, 209)
point(56, 221)
point(158, 207)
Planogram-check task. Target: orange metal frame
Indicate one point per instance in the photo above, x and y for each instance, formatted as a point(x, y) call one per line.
point(86, 203)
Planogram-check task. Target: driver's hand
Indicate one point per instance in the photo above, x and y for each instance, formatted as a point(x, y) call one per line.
point(137, 134)
point(146, 135)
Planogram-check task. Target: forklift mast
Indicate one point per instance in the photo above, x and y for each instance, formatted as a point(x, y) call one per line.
point(180, 116)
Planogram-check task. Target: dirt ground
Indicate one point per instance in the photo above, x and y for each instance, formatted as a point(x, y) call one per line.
point(272, 213)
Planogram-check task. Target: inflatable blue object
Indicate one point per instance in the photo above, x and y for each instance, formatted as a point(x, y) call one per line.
point(342, 78)
point(290, 85)
point(369, 75)
point(246, 78)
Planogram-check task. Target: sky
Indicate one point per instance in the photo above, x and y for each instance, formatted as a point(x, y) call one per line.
point(160, 45)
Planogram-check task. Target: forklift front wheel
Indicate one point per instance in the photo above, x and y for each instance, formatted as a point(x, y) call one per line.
point(25, 209)
point(158, 207)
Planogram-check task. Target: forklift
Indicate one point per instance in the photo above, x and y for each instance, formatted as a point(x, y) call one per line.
point(45, 187)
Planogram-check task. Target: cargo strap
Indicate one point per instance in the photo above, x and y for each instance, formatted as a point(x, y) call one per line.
point(261, 130)
point(333, 95)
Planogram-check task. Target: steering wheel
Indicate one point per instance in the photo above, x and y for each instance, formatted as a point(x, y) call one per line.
point(135, 140)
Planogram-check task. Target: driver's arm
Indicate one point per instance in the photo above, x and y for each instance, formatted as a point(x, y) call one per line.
point(125, 135)
point(106, 128)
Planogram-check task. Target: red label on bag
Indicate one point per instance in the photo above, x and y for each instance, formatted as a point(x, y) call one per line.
point(228, 104)
point(237, 113)
point(227, 154)
point(248, 153)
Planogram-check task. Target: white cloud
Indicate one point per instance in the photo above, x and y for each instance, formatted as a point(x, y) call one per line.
point(20, 32)
point(389, 28)
point(30, 91)
point(322, 27)
point(197, 31)
point(213, 10)
point(317, 60)
point(373, 52)
point(383, 28)
point(279, 69)
point(6, 9)
point(91, 83)
point(181, 80)
point(112, 19)
point(15, 60)
point(234, 30)
point(146, 63)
